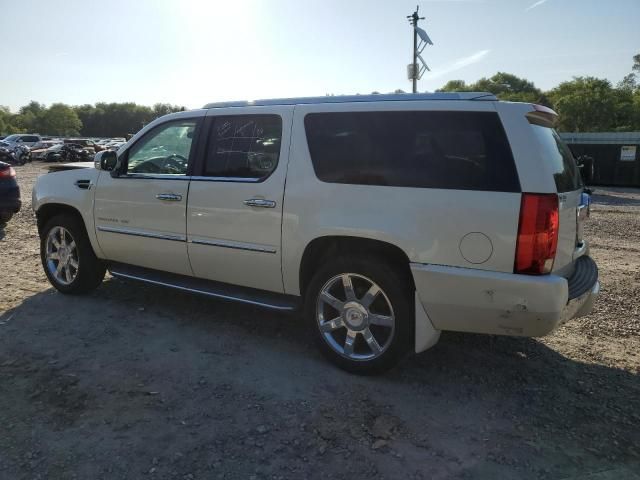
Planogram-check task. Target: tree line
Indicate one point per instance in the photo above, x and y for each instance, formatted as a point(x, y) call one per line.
point(99, 120)
point(584, 104)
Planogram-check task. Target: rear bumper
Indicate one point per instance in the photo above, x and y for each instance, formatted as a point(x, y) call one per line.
point(469, 300)
point(12, 206)
point(10, 199)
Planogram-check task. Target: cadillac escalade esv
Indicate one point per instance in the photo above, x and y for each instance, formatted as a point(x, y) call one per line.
point(385, 218)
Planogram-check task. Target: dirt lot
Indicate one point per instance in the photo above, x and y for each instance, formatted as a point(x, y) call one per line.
point(141, 382)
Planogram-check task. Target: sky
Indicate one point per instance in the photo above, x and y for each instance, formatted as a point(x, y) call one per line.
point(191, 52)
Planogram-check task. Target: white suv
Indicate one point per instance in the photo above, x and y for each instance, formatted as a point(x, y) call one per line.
point(26, 139)
point(387, 218)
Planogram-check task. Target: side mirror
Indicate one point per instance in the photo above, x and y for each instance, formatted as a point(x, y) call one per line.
point(106, 160)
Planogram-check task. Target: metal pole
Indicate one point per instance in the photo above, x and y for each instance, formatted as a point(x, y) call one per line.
point(415, 50)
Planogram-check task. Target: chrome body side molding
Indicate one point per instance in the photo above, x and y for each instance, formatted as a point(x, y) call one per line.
point(139, 233)
point(251, 247)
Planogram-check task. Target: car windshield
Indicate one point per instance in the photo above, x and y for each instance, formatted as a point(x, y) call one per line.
point(11, 138)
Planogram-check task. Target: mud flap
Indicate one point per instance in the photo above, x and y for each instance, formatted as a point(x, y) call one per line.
point(426, 335)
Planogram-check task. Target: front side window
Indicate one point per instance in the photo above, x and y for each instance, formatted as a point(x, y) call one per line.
point(163, 150)
point(451, 150)
point(244, 146)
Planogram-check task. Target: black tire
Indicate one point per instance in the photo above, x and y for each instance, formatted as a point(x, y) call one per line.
point(4, 218)
point(397, 291)
point(90, 269)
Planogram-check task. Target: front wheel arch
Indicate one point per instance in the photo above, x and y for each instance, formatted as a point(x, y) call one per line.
point(49, 210)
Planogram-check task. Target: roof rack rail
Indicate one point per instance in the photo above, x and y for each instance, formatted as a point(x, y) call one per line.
point(394, 97)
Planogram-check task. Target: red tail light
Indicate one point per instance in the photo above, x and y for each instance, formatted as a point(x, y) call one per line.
point(7, 172)
point(537, 233)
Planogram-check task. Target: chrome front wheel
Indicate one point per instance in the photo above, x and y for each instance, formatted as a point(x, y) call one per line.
point(355, 317)
point(61, 255)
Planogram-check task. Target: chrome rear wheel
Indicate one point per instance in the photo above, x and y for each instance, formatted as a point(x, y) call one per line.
point(355, 317)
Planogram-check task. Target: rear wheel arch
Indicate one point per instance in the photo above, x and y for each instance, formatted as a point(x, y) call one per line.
point(321, 249)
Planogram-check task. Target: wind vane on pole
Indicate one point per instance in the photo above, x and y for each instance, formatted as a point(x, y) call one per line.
point(414, 72)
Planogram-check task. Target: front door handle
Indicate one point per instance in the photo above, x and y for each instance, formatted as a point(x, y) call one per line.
point(260, 202)
point(169, 197)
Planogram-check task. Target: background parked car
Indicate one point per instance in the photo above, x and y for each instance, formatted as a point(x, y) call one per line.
point(115, 145)
point(9, 193)
point(22, 154)
point(85, 143)
point(28, 139)
point(73, 152)
point(51, 154)
point(16, 154)
point(5, 153)
point(39, 152)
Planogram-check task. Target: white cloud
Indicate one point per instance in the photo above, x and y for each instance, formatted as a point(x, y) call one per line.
point(458, 64)
point(534, 5)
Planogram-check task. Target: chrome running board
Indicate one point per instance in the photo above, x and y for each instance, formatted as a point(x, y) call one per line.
point(210, 288)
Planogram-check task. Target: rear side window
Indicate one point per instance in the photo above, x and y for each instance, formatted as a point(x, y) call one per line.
point(452, 150)
point(555, 151)
point(244, 146)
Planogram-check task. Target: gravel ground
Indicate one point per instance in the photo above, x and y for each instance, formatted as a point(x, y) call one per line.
point(140, 382)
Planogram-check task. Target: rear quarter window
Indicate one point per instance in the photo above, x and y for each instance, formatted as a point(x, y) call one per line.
point(450, 150)
point(565, 171)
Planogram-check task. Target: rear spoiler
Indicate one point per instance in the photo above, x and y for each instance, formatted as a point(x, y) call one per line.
point(543, 116)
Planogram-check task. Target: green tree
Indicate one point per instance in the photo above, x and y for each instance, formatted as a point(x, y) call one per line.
point(29, 117)
point(90, 117)
point(455, 86)
point(635, 119)
point(629, 83)
point(160, 109)
point(505, 86)
point(60, 119)
point(8, 122)
point(119, 119)
point(636, 63)
point(585, 104)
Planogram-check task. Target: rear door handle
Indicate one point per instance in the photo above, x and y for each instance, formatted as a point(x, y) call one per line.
point(169, 197)
point(260, 202)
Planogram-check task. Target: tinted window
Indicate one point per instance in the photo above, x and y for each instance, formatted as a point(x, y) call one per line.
point(163, 150)
point(244, 146)
point(565, 171)
point(29, 139)
point(454, 150)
